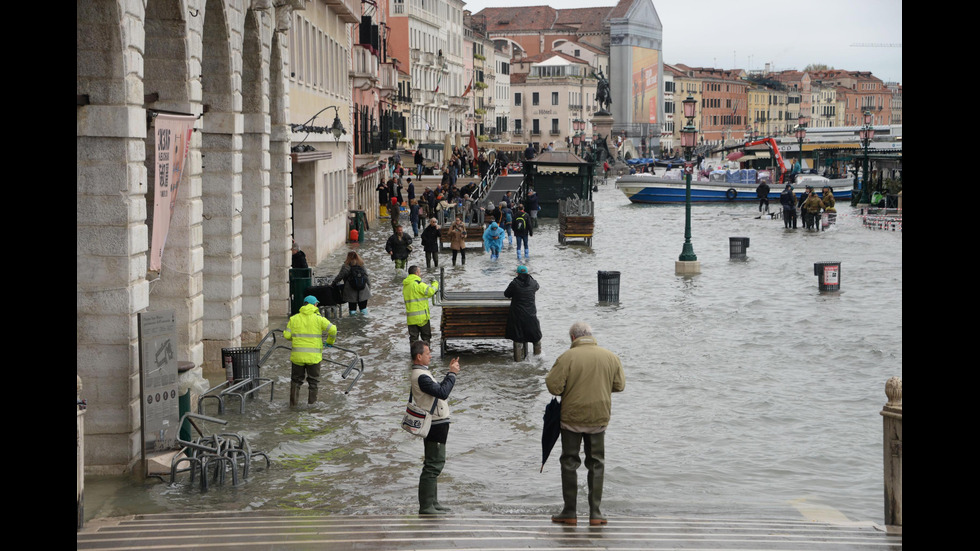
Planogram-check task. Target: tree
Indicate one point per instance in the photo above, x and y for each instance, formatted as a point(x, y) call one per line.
point(817, 67)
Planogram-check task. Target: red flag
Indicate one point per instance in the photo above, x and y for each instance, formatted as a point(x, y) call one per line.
point(468, 88)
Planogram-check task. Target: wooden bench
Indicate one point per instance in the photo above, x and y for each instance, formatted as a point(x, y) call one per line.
point(471, 314)
point(576, 227)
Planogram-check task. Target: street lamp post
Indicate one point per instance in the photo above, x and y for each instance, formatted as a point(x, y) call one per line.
point(687, 262)
point(867, 133)
point(800, 135)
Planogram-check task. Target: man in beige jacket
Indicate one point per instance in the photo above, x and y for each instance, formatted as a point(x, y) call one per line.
point(585, 377)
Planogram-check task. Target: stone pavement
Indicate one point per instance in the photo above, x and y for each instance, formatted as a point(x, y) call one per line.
point(308, 530)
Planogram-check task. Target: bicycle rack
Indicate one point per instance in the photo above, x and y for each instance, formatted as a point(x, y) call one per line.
point(349, 366)
point(220, 451)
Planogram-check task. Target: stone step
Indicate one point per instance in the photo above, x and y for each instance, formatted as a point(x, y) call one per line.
point(271, 530)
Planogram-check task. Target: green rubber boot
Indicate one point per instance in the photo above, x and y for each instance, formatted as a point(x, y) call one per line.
point(430, 475)
point(569, 493)
point(595, 456)
point(441, 457)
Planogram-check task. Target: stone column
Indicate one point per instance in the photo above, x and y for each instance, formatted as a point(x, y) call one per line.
point(892, 417)
point(110, 234)
point(280, 169)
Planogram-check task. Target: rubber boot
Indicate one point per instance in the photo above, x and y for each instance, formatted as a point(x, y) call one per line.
point(312, 398)
point(441, 456)
point(520, 351)
point(352, 313)
point(364, 312)
point(569, 493)
point(435, 460)
point(595, 455)
point(294, 394)
point(537, 348)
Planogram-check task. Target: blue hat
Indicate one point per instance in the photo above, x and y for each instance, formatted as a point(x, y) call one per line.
point(522, 269)
point(310, 299)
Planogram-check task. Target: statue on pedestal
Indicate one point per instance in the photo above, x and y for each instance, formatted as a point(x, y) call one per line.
point(602, 93)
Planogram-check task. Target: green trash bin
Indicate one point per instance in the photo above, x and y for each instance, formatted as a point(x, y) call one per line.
point(184, 402)
point(299, 280)
point(359, 223)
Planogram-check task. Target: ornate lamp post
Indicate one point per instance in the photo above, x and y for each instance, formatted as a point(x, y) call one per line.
point(867, 133)
point(800, 135)
point(578, 125)
point(688, 262)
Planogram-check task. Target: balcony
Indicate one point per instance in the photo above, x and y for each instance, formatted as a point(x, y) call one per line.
point(555, 132)
point(427, 97)
point(458, 104)
point(441, 100)
point(416, 55)
point(535, 132)
point(349, 11)
point(364, 69)
point(389, 80)
point(428, 58)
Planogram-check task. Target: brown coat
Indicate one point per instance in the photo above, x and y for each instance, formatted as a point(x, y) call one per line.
point(585, 376)
point(457, 237)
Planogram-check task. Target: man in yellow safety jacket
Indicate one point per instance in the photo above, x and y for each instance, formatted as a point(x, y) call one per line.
point(416, 295)
point(306, 330)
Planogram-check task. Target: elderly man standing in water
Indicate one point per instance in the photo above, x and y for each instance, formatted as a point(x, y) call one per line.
point(585, 376)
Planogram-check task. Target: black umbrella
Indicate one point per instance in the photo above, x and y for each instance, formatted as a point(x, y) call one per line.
point(552, 428)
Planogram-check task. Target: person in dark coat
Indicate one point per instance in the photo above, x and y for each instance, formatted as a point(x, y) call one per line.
point(522, 319)
point(299, 257)
point(430, 243)
point(762, 192)
point(788, 200)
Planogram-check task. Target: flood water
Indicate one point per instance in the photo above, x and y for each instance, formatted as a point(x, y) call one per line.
point(748, 392)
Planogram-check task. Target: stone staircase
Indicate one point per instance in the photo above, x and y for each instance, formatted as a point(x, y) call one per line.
point(308, 530)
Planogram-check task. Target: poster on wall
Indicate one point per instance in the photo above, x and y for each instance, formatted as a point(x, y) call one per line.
point(645, 84)
point(158, 380)
point(172, 137)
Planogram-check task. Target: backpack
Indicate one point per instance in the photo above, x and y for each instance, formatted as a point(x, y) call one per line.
point(519, 224)
point(509, 218)
point(357, 278)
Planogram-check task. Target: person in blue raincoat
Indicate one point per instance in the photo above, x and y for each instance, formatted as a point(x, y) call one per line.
point(493, 240)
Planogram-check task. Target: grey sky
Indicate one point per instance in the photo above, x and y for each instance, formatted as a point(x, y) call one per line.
point(788, 34)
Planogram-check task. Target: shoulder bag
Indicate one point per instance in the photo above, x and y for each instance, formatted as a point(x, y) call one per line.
point(417, 420)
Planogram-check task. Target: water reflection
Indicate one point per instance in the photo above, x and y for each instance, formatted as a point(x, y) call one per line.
point(747, 388)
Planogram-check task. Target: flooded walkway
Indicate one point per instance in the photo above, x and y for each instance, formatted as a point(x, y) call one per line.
point(748, 392)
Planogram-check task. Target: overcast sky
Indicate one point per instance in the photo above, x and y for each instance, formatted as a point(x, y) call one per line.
point(787, 34)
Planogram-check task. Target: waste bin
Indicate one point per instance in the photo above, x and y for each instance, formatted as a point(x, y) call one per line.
point(737, 247)
point(358, 220)
point(829, 275)
point(608, 286)
point(184, 401)
point(244, 363)
point(299, 280)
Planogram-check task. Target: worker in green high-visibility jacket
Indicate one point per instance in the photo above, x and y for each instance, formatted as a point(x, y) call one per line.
point(416, 295)
point(306, 330)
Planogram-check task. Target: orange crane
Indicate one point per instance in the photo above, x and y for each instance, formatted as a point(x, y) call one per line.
point(775, 153)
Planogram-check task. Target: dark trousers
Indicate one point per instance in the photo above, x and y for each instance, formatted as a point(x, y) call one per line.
point(462, 254)
point(309, 372)
point(431, 257)
point(595, 462)
point(416, 332)
point(357, 305)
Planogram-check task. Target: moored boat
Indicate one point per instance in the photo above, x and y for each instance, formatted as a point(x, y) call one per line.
point(667, 187)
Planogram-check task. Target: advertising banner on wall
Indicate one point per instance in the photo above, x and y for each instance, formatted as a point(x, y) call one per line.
point(645, 85)
point(172, 139)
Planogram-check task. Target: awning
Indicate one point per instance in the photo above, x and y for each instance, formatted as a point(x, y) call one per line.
point(736, 155)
